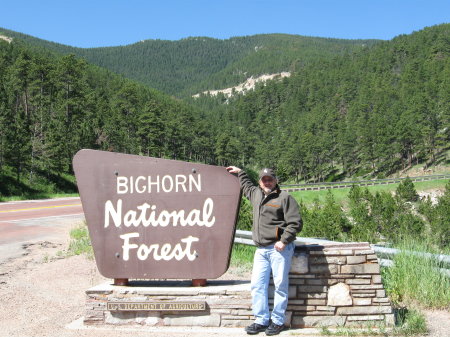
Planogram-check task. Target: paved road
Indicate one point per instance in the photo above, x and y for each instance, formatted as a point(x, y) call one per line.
point(24, 222)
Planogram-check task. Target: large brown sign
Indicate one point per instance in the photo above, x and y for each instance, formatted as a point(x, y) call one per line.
point(155, 218)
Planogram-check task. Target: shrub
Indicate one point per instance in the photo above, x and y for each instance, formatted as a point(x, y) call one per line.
point(407, 191)
point(439, 218)
point(364, 227)
point(381, 217)
point(325, 221)
point(245, 219)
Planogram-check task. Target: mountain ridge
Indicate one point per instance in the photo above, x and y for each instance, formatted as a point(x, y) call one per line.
point(367, 112)
point(195, 64)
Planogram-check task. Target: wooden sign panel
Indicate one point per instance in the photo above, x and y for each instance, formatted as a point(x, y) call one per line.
point(155, 218)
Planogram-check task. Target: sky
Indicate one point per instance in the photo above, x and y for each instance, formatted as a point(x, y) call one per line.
point(99, 23)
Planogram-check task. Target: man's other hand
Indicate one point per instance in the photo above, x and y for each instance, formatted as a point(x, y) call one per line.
point(279, 246)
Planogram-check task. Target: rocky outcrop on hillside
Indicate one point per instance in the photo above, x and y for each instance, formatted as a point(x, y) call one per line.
point(249, 84)
point(6, 38)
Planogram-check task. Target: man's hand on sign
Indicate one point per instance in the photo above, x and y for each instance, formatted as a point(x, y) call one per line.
point(233, 169)
point(279, 246)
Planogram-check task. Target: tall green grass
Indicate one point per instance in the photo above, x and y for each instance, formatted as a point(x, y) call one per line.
point(410, 323)
point(417, 279)
point(242, 258)
point(80, 242)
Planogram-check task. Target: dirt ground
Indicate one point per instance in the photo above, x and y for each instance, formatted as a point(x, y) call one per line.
point(42, 294)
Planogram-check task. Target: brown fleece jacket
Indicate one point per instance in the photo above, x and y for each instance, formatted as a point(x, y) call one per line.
point(276, 217)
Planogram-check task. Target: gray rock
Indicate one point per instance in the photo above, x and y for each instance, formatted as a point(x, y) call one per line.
point(339, 295)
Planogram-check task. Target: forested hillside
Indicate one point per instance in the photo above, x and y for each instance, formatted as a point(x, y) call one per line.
point(374, 112)
point(370, 113)
point(52, 106)
point(195, 64)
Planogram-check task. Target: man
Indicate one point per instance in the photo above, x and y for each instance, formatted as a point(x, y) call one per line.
point(276, 222)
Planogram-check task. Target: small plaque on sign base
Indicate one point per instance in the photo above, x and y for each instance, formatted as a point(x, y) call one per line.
point(156, 306)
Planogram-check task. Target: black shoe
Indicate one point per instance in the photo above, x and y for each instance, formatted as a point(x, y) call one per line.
point(255, 328)
point(274, 329)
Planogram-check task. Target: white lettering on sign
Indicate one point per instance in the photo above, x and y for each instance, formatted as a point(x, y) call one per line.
point(160, 252)
point(149, 215)
point(166, 184)
point(146, 215)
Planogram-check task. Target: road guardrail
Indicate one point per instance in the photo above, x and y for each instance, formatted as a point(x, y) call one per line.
point(348, 184)
point(385, 255)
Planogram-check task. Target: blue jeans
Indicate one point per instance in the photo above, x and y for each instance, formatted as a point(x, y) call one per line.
point(268, 259)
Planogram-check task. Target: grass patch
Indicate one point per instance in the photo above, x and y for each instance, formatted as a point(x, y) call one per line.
point(310, 197)
point(36, 196)
point(242, 257)
point(341, 194)
point(416, 279)
point(39, 185)
point(80, 242)
point(370, 329)
point(408, 323)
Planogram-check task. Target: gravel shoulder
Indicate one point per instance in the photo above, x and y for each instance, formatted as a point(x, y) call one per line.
point(43, 294)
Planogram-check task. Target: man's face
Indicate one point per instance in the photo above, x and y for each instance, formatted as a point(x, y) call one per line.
point(267, 184)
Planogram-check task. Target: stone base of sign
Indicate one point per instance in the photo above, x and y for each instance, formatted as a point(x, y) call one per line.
point(228, 303)
point(337, 285)
point(330, 286)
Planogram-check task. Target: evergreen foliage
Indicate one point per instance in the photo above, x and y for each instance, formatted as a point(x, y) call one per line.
point(375, 217)
point(438, 215)
point(52, 106)
point(406, 190)
point(381, 217)
point(325, 221)
point(369, 114)
point(352, 111)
